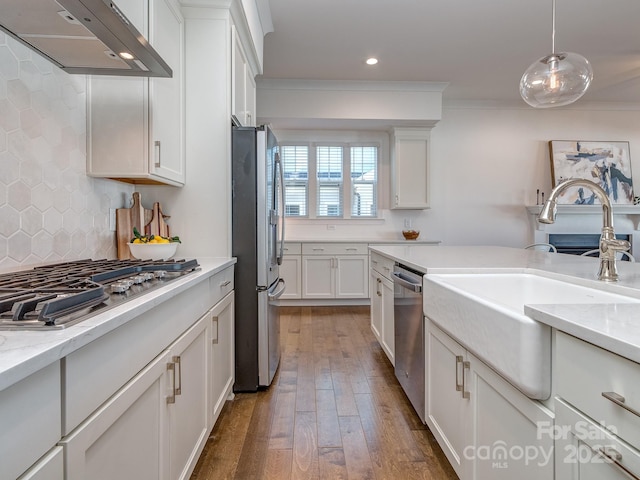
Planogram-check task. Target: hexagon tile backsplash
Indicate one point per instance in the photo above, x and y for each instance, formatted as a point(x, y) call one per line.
point(50, 210)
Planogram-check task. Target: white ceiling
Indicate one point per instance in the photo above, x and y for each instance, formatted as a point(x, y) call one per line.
point(481, 48)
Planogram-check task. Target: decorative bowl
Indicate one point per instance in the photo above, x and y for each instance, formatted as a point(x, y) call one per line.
point(410, 234)
point(153, 251)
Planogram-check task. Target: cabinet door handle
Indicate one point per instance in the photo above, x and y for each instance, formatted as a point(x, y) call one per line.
point(215, 340)
point(459, 385)
point(465, 393)
point(611, 455)
point(176, 360)
point(172, 368)
point(619, 400)
point(156, 145)
point(378, 287)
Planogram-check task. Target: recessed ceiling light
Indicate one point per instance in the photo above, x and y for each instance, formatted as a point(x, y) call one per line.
point(372, 61)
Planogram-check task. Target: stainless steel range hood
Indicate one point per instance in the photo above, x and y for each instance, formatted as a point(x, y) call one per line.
point(82, 36)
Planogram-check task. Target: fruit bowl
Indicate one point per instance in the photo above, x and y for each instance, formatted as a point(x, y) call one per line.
point(410, 234)
point(153, 251)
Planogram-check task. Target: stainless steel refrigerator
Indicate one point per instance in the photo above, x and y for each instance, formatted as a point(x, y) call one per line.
point(258, 235)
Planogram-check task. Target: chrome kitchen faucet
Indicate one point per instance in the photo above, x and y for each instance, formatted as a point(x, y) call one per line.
point(609, 244)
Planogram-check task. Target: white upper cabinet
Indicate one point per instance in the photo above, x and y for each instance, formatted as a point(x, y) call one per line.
point(410, 168)
point(136, 125)
point(243, 98)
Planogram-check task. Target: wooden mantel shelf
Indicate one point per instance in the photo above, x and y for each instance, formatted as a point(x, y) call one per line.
point(631, 211)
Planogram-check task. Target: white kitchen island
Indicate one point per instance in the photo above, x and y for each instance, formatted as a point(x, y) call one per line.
point(589, 426)
point(133, 389)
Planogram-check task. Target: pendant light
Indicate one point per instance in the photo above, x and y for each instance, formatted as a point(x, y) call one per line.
point(557, 79)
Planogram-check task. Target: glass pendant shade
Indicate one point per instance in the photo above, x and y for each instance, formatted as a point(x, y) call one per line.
point(556, 80)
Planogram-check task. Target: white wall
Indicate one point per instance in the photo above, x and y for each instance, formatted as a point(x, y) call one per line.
point(487, 164)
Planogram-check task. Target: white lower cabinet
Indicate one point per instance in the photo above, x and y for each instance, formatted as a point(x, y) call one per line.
point(597, 412)
point(30, 422)
point(335, 271)
point(382, 300)
point(375, 294)
point(291, 271)
point(140, 401)
point(222, 355)
point(49, 467)
point(485, 426)
point(155, 426)
point(187, 404)
point(388, 324)
point(126, 437)
point(586, 451)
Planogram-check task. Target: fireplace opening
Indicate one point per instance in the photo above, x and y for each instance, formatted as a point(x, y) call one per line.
point(578, 243)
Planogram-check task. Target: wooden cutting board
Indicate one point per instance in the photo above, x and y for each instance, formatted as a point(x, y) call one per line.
point(157, 225)
point(127, 218)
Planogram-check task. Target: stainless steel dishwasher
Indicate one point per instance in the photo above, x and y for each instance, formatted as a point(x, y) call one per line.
point(409, 335)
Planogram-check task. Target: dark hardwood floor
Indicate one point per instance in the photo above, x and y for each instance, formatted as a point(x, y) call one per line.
point(334, 411)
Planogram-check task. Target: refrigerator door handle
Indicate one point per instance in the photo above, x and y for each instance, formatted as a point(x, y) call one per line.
point(278, 292)
point(278, 162)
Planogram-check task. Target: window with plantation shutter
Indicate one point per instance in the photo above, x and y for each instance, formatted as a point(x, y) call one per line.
point(295, 167)
point(330, 180)
point(364, 180)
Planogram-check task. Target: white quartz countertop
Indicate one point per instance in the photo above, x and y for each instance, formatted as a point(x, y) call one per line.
point(614, 327)
point(377, 241)
point(25, 352)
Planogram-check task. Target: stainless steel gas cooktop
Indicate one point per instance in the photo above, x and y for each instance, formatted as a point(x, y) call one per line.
point(59, 295)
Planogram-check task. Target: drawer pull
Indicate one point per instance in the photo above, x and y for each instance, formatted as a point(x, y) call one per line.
point(611, 455)
point(352, 249)
point(318, 249)
point(465, 393)
point(458, 384)
point(178, 387)
point(171, 367)
point(619, 400)
point(215, 340)
point(224, 284)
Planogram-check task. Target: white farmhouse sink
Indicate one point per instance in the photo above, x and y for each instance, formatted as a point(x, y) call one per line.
point(485, 313)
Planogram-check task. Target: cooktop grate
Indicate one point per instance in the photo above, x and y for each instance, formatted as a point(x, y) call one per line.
point(57, 295)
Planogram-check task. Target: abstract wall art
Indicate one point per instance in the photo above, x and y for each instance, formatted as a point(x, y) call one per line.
point(607, 164)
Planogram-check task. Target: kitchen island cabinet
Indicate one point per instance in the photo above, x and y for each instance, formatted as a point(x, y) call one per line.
point(597, 405)
point(586, 428)
point(382, 299)
point(136, 126)
point(478, 417)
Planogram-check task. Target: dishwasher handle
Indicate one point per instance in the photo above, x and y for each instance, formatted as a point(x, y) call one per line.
point(405, 282)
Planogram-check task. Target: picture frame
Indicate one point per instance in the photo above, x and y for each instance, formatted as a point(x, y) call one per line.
point(608, 164)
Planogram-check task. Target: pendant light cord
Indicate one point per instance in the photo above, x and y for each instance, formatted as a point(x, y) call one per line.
point(553, 27)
